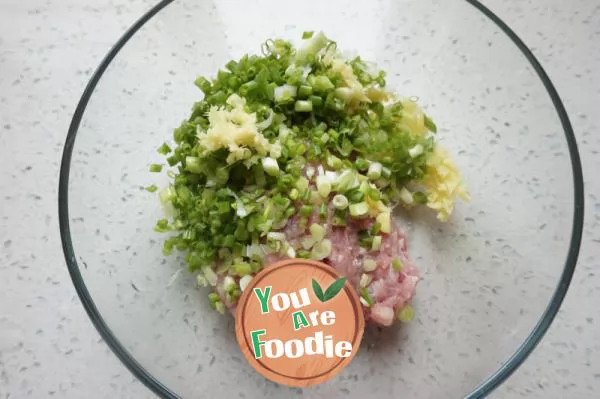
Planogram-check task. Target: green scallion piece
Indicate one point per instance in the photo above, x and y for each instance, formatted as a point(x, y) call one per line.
point(242, 269)
point(406, 314)
point(320, 83)
point(316, 101)
point(307, 35)
point(304, 254)
point(164, 149)
point(419, 197)
point(151, 188)
point(340, 201)
point(361, 164)
point(192, 164)
point(429, 124)
point(156, 168)
point(304, 91)
point(294, 194)
point(306, 210)
point(356, 196)
point(374, 194)
point(375, 228)
point(323, 211)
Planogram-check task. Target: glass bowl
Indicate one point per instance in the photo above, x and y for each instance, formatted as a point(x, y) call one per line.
point(493, 277)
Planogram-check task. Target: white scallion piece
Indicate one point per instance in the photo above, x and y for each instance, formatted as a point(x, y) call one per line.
point(365, 280)
point(340, 201)
point(374, 172)
point(369, 265)
point(244, 281)
point(210, 275)
point(270, 166)
point(415, 151)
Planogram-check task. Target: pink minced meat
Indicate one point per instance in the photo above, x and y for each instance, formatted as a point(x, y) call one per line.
point(389, 289)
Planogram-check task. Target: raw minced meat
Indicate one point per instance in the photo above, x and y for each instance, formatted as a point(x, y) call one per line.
point(389, 289)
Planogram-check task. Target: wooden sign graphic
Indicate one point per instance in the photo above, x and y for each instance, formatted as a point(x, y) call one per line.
point(299, 323)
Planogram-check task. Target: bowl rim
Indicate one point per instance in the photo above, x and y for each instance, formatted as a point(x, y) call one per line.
point(488, 385)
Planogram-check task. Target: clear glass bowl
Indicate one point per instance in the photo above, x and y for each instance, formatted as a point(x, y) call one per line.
point(493, 277)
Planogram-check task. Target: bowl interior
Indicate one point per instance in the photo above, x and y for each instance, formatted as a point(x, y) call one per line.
point(487, 274)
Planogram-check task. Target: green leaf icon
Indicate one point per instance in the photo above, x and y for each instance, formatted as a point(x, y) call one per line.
point(330, 292)
point(334, 289)
point(318, 290)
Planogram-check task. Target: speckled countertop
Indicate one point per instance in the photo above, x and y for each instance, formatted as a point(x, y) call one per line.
point(48, 49)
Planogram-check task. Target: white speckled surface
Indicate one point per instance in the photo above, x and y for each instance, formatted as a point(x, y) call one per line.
point(48, 49)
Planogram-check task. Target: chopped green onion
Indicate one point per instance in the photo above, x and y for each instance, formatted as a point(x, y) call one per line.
point(203, 84)
point(419, 197)
point(307, 34)
point(291, 252)
point(152, 188)
point(229, 284)
point(375, 228)
point(323, 211)
point(320, 83)
point(156, 168)
point(315, 197)
point(306, 210)
point(340, 201)
point(220, 307)
point(365, 280)
point(317, 232)
point(244, 281)
point(406, 196)
point(285, 93)
point(406, 314)
point(210, 275)
point(356, 196)
point(397, 264)
point(366, 241)
point(415, 151)
point(294, 194)
point(242, 269)
point(192, 164)
point(385, 221)
point(303, 254)
point(346, 181)
point(321, 250)
point(307, 242)
point(429, 124)
point(213, 298)
point(374, 172)
point(316, 101)
point(310, 48)
point(306, 196)
point(164, 149)
point(302, 184)
point(386, 172)
point(323, 186)
point(374, 194)
point(303, 106)
point(361, 164)
point(201, 280)
point(369, 265)
point(334, 162)
point(364, 295)
point(376, 243)
point(359, 209)
point(270, 166)
point(304, 91)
